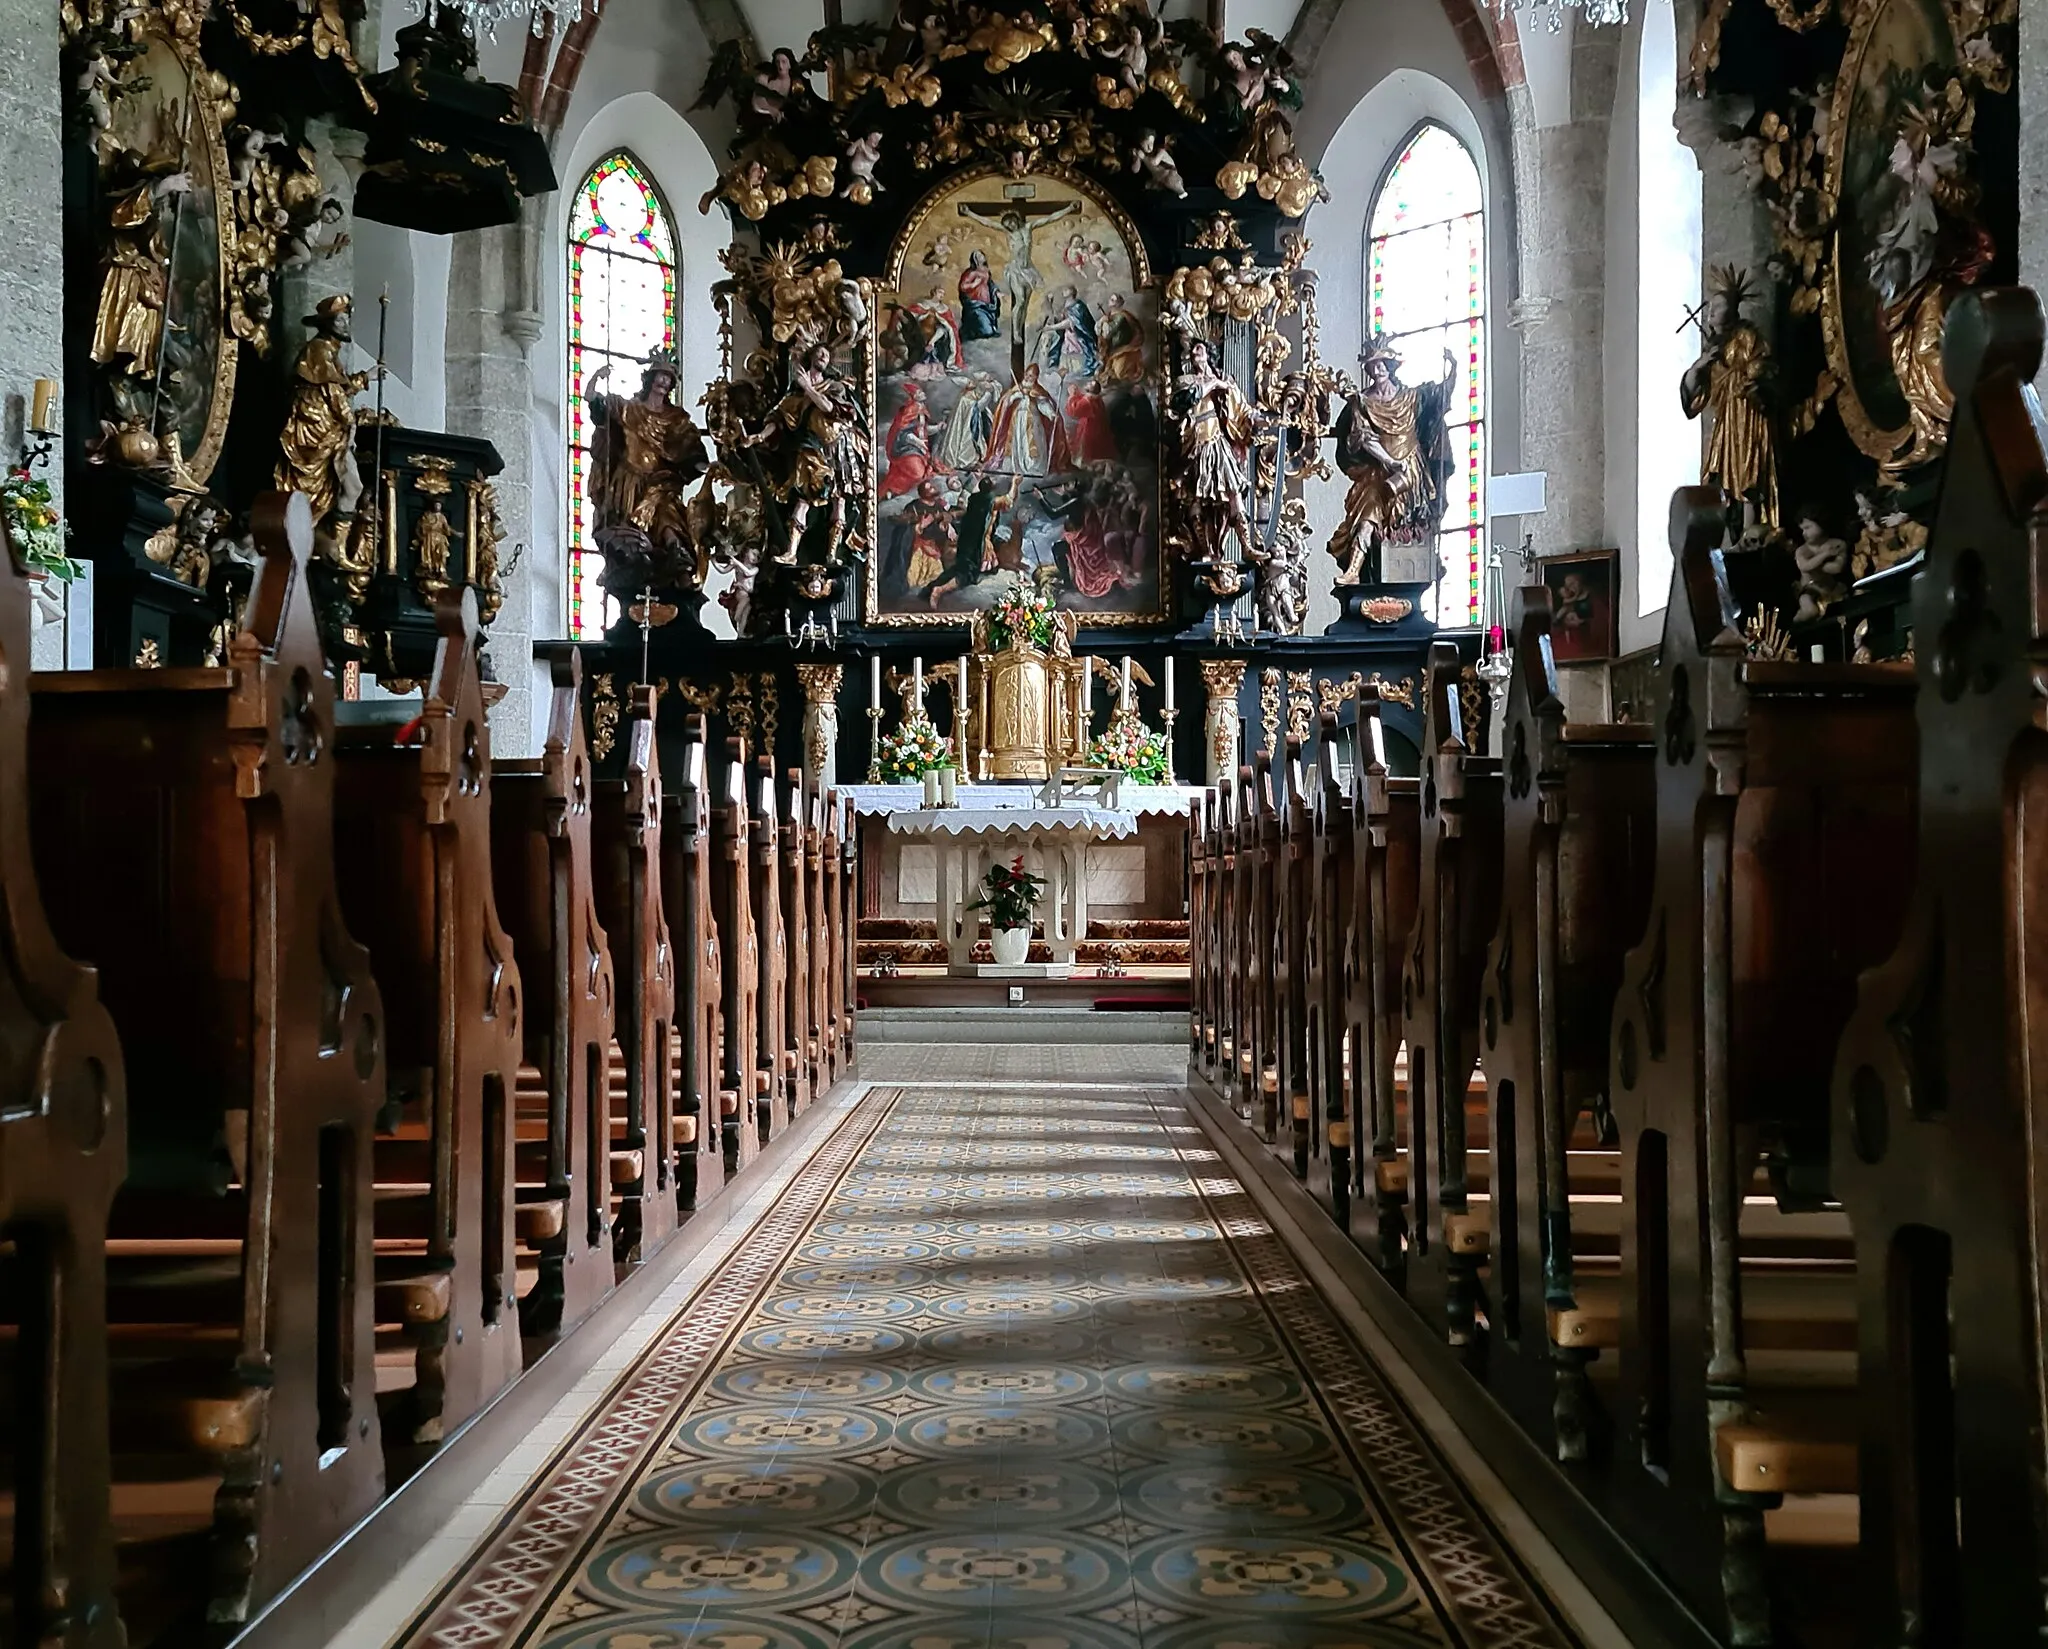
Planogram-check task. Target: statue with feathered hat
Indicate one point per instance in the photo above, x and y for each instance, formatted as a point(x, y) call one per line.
point(1393, 442)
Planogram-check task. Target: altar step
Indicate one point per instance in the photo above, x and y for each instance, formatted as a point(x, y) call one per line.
point(1043, 1024)
point(910, 942)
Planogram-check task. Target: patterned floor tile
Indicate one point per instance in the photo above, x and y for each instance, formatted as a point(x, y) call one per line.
point(1010, 1370)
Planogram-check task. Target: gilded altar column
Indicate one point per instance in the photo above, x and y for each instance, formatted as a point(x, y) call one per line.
point(1222, 679)
point(821, 723)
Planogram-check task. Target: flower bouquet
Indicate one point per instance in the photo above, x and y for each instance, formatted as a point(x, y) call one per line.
point(913, 750)
point(1133, 749)
point(1021, 617)
point(34, 526)
point(1007, 893)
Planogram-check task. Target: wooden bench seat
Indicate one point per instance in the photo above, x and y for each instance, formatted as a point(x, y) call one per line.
point(184, 839)
point(413, 863)
point(543, 874)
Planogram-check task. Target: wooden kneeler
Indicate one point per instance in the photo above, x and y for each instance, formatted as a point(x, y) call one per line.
point(627, 824)
point(63, 1153)
point(413, 860)
point(183, 825)
point(541, 863)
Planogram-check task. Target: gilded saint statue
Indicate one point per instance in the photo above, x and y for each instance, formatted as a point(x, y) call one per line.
point(1732, 380)
point(1215, 423)
point(1393, 443)
point(319, 435)
point(818, 436)
point(645, 452)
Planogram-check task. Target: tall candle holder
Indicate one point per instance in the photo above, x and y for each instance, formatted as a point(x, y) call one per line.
point(874, 744)
point(1169, 715)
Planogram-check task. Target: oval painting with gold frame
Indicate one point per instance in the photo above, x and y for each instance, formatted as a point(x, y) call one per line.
point(1871, 311)
point(159, 327)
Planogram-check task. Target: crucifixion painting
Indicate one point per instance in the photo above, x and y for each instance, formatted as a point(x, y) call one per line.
point(1017, 408)
point(1018, 221)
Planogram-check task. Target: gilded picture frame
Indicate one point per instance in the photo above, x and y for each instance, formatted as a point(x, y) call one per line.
point(1051, 404)
point(1893, 44)
point(176, 121)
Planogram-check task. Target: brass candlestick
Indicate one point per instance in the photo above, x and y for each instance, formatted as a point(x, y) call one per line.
point(874, 744)
point(1169, 715)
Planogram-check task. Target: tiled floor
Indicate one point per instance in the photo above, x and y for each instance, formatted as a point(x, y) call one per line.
point(1019, 1367)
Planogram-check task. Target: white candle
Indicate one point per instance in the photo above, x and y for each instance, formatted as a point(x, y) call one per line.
point(931, 787)
point(947, 780)
point(875, 681)
point(960, 698)
point(1123, 696)
point(1087, 691)
point(1169, 681)
point(917, 686)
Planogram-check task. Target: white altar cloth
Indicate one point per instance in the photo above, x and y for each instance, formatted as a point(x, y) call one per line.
point(1053, 842)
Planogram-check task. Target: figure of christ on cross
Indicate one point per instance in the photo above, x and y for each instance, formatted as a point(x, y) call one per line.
point(1019, 220)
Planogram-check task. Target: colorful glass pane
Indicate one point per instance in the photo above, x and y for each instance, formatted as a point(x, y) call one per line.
point(622, 307)
point(1426, 291)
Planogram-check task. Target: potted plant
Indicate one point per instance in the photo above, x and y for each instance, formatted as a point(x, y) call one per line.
point(34, 527)
point(1007, 893)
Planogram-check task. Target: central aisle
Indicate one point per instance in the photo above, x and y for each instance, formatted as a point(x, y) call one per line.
point(1005, 1367)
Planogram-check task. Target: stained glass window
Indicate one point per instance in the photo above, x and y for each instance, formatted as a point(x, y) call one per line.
point(622, 307)
point(1426, 291)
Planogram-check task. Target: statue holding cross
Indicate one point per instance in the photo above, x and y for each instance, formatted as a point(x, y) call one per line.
point(1018, 220)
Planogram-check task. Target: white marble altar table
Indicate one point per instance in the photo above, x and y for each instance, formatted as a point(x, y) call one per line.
point(1054, 844)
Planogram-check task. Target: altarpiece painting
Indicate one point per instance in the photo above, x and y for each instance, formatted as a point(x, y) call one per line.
point(1017, 374)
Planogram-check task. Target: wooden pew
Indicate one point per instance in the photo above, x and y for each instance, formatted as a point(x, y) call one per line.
point(1324, 1144)
point(1258, 834)
point(1785, 797)
point(732, 907)
point(542, 870)
point(1386, 857)
point(821, 1054)
point(1293, 855)
point(626, 827)
point(413, 865)
point(1201, 914)
point(1457, 913)
point(846, 917)
point(698, 1026)
point(183, 829)
point(63, 1154)
point(1580, 815)
point(793, 895)
point(1935, 1093)
point(774, 1062)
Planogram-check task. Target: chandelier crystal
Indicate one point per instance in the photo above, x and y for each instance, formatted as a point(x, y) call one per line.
point(485, 15)
point(1597, 12)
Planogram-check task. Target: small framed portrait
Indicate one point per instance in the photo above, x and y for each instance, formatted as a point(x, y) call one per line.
point(1585, 604)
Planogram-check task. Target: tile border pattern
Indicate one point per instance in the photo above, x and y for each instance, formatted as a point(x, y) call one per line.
point(495, 1592)
point(1467, 1566)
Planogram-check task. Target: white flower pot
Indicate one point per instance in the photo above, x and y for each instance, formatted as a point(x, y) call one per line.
point(1013, 946)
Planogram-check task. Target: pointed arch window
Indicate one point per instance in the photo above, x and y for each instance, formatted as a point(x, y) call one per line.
point(1426, 291)
point(622, 307)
